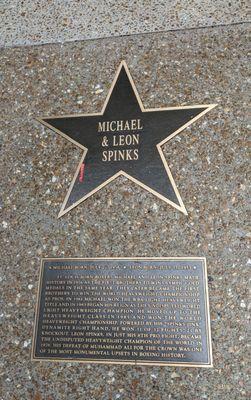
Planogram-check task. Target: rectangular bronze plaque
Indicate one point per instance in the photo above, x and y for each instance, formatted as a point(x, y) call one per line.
point(124, 310)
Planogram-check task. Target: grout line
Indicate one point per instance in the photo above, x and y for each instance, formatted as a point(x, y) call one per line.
point(124, 35)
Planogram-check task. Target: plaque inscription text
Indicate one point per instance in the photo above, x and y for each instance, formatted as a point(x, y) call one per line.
point(139, 311)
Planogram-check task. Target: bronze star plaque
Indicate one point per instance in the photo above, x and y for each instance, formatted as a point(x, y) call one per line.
point(128, 311)
point(124, 139)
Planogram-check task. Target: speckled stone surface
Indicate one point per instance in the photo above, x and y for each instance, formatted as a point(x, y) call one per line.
point(209, 165)
point(35, 22)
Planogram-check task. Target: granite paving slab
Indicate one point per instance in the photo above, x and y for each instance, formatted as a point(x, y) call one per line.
point(36, 22)
point(210, 167)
